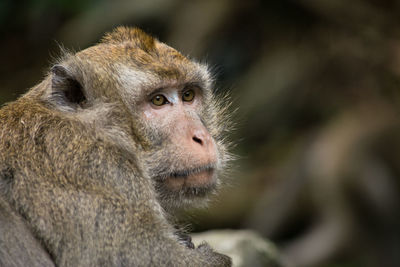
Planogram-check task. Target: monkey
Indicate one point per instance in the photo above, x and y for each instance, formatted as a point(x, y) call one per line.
point(96, 158)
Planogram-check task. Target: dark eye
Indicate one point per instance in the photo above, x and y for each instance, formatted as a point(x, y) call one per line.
point(188, 95)
point(159, 100)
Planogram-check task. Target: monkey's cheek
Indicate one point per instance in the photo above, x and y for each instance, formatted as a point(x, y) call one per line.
point(197, 180)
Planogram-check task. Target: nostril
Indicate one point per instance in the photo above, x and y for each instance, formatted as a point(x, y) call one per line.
point(197, 140)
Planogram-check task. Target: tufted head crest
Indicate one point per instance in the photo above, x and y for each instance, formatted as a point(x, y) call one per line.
point(134, 36)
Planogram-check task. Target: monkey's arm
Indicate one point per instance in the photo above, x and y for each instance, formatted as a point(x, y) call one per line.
point(18, 247)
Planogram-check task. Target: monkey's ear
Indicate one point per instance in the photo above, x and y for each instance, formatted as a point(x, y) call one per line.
point(67, 91)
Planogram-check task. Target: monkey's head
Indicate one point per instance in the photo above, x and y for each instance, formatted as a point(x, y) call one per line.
point(154, 103)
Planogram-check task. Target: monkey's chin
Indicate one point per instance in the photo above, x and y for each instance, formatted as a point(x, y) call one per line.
point(202, 179)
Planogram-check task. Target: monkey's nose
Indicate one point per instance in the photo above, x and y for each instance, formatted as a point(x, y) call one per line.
point(198, 140)
point(203, 146)
point(201, 136)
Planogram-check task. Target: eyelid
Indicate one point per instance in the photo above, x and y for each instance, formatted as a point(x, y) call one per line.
point(158, 91)
point(195, 87)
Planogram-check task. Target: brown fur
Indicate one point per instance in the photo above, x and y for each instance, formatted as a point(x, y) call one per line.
point(77, 161)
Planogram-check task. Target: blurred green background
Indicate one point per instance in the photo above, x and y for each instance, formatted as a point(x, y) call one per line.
point(317, 87)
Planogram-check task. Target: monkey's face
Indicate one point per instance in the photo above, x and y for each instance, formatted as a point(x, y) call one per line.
point(183, 158)
point(174, 118)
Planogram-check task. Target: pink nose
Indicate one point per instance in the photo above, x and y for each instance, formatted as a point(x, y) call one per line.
point(198, 140)
point(194, 140)
point(203, 145)
point(202, 137)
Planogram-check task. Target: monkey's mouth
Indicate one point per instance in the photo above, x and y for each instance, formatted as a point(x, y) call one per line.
point(203, 176)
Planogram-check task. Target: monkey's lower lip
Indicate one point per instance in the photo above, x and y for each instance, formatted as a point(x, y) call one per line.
point(202, 178)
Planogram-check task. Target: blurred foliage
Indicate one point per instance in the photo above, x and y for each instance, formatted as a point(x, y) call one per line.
point(317, 86)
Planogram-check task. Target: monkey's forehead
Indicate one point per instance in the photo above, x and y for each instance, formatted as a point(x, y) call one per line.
point(148, 81)
point(135, 67)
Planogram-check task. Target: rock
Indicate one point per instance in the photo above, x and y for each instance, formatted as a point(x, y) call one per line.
point(245, 247)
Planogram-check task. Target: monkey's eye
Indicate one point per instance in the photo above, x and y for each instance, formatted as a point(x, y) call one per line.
point(188, 96)
point(159, 100)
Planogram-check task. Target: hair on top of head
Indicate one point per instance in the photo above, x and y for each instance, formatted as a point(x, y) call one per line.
point(134, 36)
